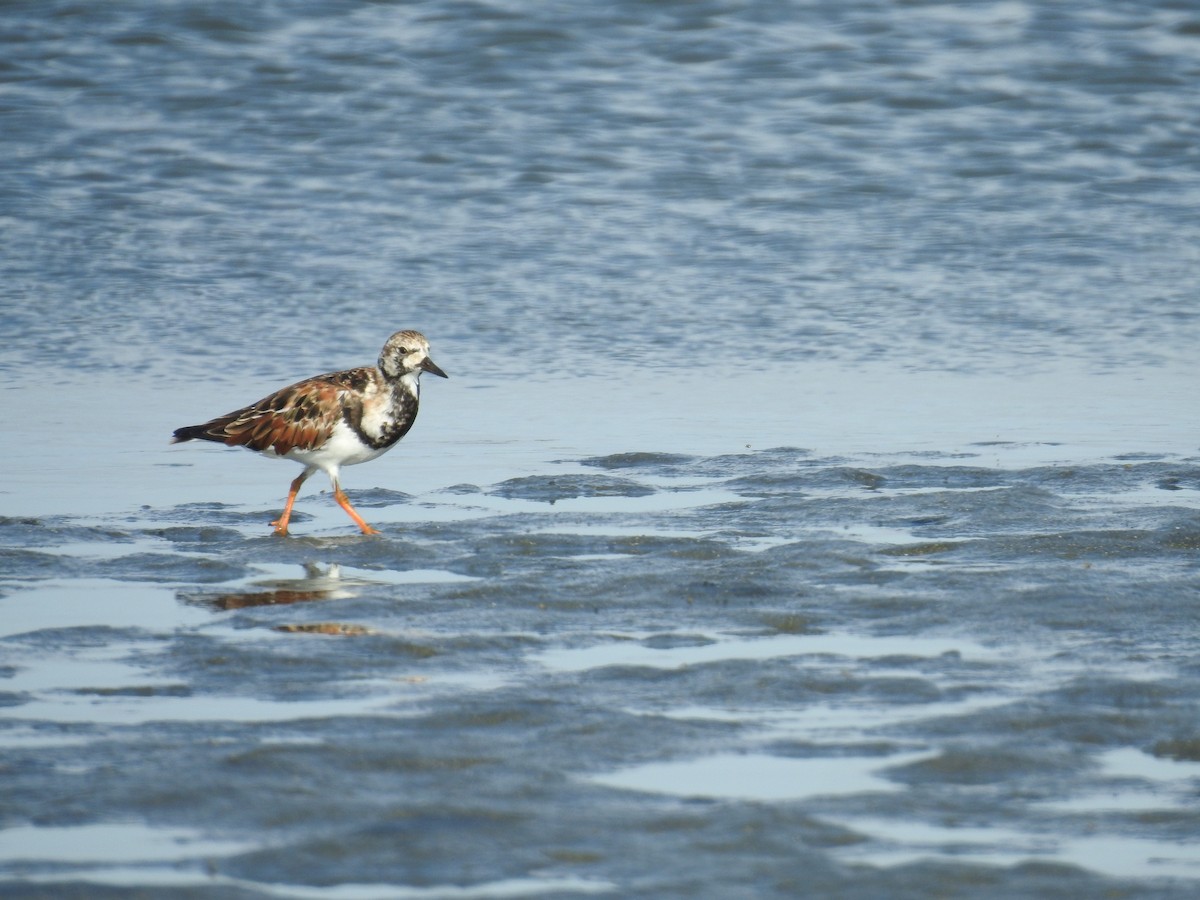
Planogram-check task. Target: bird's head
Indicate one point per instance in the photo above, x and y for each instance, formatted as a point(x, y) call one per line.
point(407, 353)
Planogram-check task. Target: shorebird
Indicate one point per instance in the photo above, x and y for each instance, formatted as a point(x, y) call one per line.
point(333, 420)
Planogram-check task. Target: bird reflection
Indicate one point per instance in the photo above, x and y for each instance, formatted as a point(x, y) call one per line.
point(317, 584)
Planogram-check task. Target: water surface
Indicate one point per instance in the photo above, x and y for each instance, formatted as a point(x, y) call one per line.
point(812, 509)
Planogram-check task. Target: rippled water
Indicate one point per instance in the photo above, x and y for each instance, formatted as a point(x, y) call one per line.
point(812, 509)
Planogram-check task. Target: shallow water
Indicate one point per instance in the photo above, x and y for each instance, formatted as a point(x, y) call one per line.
point(813, 508)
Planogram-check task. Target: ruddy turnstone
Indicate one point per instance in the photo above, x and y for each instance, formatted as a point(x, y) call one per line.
point(330, 421)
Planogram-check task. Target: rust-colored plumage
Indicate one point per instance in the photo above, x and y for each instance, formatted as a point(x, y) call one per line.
point(301, 416)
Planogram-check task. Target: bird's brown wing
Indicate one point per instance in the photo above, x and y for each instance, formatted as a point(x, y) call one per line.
point(301, 416)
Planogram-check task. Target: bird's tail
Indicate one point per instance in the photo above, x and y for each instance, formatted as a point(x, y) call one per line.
point(192, 432)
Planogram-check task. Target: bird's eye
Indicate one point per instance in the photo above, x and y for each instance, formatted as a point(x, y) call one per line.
point(403, 351)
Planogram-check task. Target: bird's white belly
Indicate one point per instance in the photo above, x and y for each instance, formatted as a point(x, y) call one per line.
point(342, 449)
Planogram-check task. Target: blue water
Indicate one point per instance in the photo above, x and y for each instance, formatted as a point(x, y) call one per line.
point(946, 186)
point(812, 508)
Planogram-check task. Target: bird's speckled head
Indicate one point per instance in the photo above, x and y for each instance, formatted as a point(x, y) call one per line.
point(407, 353)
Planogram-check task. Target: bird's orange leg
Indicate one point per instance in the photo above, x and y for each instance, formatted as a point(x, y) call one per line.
point(340, 496)
point(281, 523)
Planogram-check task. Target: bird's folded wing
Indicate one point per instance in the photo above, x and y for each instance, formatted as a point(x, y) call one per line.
point(299, 417)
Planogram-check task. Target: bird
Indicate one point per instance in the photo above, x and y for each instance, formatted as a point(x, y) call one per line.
point(332, 420)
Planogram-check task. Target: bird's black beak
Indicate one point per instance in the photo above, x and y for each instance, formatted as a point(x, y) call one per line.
point(430, 366)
